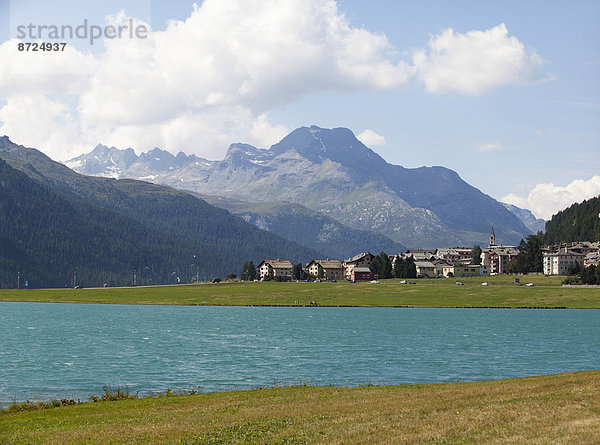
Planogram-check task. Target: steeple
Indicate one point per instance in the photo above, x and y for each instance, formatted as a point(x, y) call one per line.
point(492, 237)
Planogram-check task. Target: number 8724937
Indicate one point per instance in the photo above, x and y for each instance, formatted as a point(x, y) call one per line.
point(41, 46)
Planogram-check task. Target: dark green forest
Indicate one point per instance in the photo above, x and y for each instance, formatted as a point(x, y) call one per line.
point(55, 223)
point(49, 239)
point(580, 222)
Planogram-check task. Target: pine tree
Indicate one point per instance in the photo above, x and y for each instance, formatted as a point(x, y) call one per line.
point(297, 271)
point(476, 254)
point(399, 267)
point(377, 266)
point(251, 271)
point(530, 257)
point(386, 266)
point(410, 268)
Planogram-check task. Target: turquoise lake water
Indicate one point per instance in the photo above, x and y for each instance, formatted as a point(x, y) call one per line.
point(73, 350)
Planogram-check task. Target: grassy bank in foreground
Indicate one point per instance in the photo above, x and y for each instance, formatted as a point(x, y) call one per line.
point(501, 292)
point(562, 408)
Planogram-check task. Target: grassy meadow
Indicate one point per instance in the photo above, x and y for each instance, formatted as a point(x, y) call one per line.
point(501, 292)
point(558, 409)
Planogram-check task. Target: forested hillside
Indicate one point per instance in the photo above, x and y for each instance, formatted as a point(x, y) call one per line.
point(54, 222)
point(580, 222)
point(49, 239)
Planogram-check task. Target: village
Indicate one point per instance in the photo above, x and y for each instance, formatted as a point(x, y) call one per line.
point(436, 263)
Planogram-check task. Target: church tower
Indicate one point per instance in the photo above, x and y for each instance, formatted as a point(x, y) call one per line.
point(492, 237)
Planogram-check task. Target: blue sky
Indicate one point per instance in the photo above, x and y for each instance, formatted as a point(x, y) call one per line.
point(529, 133)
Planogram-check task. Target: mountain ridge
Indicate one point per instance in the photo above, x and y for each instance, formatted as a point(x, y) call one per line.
point(332, 172)
point(528, 218)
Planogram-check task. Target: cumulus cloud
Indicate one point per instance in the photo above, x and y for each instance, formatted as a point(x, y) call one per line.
point(492, 146)
point(36, 121)
point(213, 78)
point(263, 132)
point(547, 199)
point(476, 62)
point(371, 139)
point(29, 72)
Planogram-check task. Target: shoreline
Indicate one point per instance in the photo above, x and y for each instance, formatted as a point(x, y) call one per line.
point(557, 408)
point(303, 305)
point(186, 393)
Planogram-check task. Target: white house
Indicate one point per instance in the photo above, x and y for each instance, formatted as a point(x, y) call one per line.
point(558, 263)
point(454, 255)
point(275, 268)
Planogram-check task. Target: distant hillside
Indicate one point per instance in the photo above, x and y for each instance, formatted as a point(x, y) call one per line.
point(55, 221)
point(580, 222)
point(307, 227)
point(531, 222)
point(333, 173)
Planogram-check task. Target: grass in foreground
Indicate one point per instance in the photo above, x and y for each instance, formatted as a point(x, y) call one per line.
point(558, 409)
point(501, 292)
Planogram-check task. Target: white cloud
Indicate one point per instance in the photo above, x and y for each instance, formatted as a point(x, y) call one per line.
point(273, 52)
point(37, 121)
point(37, 72)
point(197, 88)
point(213, 78)
point(492, 146)
point(547, 199)
point(371, 139)
point(263, 133)
point(476, 62)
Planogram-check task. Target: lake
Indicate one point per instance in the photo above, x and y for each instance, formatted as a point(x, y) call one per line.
point(73, 350)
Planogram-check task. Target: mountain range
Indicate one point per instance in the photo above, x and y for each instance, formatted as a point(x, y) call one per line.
point(332, 173)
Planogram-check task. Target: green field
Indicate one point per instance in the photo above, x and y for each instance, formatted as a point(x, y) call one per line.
point(501, 292)
point(558, 409)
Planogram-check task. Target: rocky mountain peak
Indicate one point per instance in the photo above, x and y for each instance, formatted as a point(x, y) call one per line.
point(337, 144)
point(99, 148)
point(4, 141)
point(109, 161)
point(239, 148)
point(181, 156)
point(245, 154)
point(7, 144)
point(162, 160)
point(157, 153)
